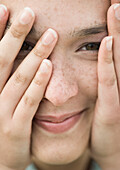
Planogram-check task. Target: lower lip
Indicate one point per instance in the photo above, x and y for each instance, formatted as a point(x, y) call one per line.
point(58, 127)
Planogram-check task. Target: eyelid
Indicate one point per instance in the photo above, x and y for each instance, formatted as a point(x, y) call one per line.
point(29, 43)
point(85, 44)
point(24, 52)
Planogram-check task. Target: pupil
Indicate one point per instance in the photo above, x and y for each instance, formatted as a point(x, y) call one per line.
point(93, 47)
point(26, 46)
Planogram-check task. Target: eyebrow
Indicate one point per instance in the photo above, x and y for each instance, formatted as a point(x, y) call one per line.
point(96, 29)
point(89, 31)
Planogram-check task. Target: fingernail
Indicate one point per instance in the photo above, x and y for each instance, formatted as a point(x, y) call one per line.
point(117, 11)
point(109, 43)
point(49, 36)
point(44, 66)
point(3, 11)
point(27, 16)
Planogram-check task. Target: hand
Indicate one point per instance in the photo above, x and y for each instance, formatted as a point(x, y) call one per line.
point(105, 137)
point(21, 94)
point(115, 1)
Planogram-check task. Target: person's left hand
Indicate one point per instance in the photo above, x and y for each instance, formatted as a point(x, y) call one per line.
point(105, 134)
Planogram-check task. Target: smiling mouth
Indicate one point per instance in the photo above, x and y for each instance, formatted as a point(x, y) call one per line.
point(60, 118)
point(58, 124)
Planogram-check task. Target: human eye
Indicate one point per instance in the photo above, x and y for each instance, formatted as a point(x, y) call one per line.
point(90, 47)
point(27, 46)
point(25, 49)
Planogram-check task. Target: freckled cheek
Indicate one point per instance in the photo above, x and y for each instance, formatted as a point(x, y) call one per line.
point(86, 75)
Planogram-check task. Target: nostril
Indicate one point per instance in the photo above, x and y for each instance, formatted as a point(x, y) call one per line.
point(60, 93)
point(56, 101)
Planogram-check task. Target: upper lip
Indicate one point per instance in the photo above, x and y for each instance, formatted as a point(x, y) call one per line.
point(58, 119)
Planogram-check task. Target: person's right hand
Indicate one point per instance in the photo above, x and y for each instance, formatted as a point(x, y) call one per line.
point(115, 1)
point(21, 94)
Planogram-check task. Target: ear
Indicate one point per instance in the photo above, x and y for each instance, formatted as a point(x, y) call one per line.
point(115, 1)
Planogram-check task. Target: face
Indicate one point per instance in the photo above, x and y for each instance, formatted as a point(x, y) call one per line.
point(81, 25)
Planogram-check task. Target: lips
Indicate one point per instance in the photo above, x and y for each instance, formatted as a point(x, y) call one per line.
point(58, 119)
point(58, 124)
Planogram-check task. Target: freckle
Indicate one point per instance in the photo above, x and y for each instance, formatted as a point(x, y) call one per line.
point(48, 17)
point(55, 9)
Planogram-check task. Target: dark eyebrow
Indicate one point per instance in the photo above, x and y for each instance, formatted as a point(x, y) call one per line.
point(89, 31)
point(76, 33)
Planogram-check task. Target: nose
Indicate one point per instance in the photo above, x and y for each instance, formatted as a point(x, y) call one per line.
point(61, 87)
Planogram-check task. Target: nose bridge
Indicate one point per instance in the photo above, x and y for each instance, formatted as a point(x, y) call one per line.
point(61, 87)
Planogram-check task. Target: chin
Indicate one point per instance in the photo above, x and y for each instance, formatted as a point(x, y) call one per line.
point(59, 151)
point(58, 156)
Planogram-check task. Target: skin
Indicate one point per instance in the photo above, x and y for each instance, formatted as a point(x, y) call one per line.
point(65, 89)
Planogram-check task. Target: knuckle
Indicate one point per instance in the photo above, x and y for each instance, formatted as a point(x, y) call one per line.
point(108, 60)
point(109, 121)
point(115, 29)
point(41, 79)
point(38, 82)
point(20, 78)
point(109, 81)
point(3, 62)
point(29, 101)
point(7, 131)
point(38, 52)
point(17, 32)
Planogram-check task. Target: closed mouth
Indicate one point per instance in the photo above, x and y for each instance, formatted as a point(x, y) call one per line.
point(58, 119)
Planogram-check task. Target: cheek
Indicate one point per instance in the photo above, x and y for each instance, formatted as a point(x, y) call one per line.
point(86, 76)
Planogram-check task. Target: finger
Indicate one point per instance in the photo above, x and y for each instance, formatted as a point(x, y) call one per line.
point(3, 19)
point(108, 97)
point(12, 42)
point(20, 80)
point(115, 1)
point(106, 123)
point(114, 30)
point(29, 103)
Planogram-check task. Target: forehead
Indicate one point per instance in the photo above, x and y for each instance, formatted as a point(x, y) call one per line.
point(62, 15)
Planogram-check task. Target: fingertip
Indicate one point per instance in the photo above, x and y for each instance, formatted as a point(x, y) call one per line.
point(4, 12)
point(45, 66)
point(112, 8)
point(48, 62)
point(109, 43)
point(105, 52)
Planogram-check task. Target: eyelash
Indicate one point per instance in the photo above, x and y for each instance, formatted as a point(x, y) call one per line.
point(90, 45)
point(27, 46)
